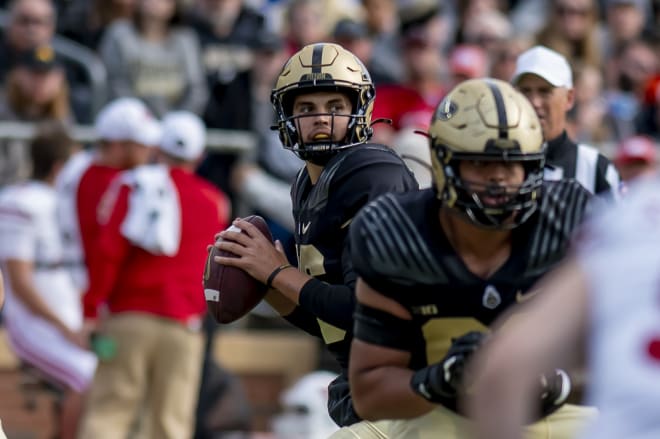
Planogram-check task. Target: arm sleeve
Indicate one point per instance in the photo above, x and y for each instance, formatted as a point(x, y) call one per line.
point(304, 320)
point(104, 264)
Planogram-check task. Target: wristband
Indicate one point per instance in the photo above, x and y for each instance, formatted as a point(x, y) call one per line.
point(271, 278)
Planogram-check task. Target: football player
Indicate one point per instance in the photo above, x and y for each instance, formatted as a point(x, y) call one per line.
point(602, 302)
point(323, 99)
point(437, 266)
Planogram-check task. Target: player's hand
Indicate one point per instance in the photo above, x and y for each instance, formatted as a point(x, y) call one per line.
point(444, 381)
point(555, 388)
point(256, 254)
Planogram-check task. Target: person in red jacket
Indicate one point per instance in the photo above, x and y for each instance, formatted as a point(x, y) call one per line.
point(127, 133)
point(145, 288)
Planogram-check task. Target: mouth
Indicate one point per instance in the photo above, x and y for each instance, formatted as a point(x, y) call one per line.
point(320, 136)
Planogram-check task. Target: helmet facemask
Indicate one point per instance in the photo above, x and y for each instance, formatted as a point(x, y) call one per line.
point(513, 204)
point(320, 152)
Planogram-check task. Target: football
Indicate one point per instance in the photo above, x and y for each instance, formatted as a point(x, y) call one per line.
point(230, 292)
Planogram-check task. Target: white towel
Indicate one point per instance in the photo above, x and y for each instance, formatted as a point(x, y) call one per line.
point(153, 221)
point(67, 215)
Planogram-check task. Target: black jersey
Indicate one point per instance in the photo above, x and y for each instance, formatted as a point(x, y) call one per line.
point(322, 214)
point(399, 249)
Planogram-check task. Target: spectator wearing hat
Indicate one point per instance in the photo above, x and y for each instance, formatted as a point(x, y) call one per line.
point(545, 78)
point(154, 231)
point(43, 314)
point(127, 131)
point(36, 90)
point(635, 157)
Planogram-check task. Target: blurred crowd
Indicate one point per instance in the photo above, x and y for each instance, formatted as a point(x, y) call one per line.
point(216, 61)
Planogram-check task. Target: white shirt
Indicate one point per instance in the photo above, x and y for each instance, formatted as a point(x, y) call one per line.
point(620, 253)
point(29, 232)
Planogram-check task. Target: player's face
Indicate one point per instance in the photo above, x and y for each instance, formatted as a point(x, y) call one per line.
point(550, 103)
point(494, 182)
point(322, 116)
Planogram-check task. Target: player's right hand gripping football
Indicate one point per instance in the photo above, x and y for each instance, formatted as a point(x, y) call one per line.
point(257, 255)
point(443, 382)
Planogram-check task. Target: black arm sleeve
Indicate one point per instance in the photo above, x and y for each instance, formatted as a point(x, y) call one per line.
point(333, 304)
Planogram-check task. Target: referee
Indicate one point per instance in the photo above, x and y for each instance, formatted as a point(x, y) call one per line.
point(545, 77)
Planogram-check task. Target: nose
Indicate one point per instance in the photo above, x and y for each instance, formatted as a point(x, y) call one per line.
point(535, 99)
point(497, 172)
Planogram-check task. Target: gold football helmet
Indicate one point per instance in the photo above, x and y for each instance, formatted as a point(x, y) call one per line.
point(487, 120)
point(322, 67)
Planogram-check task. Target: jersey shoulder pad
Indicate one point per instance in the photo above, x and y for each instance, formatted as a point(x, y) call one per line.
point(562, 209)
point(387, 246)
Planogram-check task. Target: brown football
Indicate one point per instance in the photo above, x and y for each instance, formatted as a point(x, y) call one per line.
point(230, 292)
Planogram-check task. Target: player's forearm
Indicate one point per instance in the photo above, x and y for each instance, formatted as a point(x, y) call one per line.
point(385, 393)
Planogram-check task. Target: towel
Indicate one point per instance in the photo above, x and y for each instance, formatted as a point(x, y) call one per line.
point(153, 220)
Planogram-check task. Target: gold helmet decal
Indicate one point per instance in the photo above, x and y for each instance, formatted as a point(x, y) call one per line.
point(314, 68)
point(485, 120)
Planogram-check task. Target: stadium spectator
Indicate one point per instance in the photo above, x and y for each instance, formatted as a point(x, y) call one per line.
point(36, 90)
point(627, 76)
point(156, 59)
point(410, 104)
point(31, 23)
point(155, 225)
point(545, 78)
point(572, 29)
point(648, 118)
point(43, 316)
point(85, 21)
point(635, 157)
point(625, 22)
point(382, 23)
point(467, 61)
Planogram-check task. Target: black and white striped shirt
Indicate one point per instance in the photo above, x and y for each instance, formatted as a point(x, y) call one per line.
point(594, 171)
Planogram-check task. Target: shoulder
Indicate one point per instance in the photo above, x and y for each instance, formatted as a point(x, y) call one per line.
point(563, 208)
point(378, 161)
point(120, 29)
point(388, 242)
point(26, 199)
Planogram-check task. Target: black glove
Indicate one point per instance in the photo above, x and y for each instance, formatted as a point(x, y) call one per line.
point(441, 382)
point(555, 389)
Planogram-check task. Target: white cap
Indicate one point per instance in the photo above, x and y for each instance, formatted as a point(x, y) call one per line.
point(128, 119)
point(547, 64)
point(184, 135)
